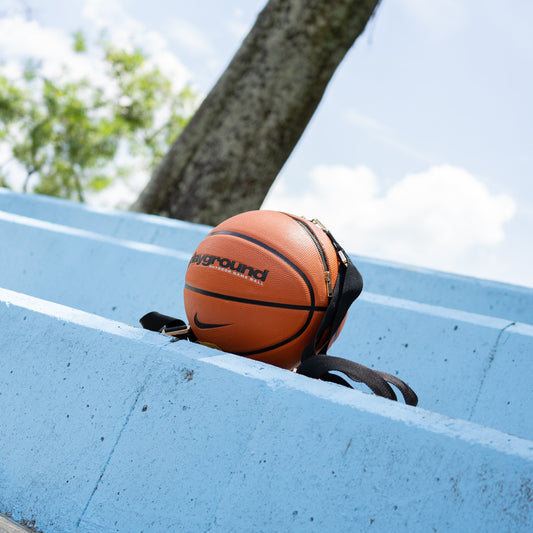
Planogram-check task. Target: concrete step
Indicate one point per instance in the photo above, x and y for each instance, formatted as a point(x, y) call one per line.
point(461, 364)
point(474, 295)
point(86, 270)
point(149, 229)
point(106, 427)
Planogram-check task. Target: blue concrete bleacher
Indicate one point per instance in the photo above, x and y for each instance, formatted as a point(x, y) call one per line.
point(381, 277)
point(108, 427)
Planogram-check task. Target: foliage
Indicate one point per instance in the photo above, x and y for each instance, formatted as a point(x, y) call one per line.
point(67, 134)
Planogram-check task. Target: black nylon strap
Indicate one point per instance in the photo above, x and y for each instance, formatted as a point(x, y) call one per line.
point(348, 286)
point(321, 366)
point(408, 393)
point(314, 366)
point(169, 325)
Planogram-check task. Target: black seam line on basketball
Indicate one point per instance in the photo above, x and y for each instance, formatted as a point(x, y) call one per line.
point(276, 253)
point(294, 267)
point(310, 313)
point(263, 303)
point(273, 346)
point(281, 343)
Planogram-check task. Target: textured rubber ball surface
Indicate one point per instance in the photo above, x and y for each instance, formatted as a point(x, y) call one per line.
point(257, 286)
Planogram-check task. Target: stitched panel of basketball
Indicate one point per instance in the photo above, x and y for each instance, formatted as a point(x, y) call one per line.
point(281, 232)
point(252, 272)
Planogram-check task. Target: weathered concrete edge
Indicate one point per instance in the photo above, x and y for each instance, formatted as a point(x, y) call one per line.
point(92, 235)
point(276, 378)
point(448, 313)
point(389, 301)
point(202, 229)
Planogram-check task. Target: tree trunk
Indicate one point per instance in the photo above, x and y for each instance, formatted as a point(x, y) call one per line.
point(231, 151)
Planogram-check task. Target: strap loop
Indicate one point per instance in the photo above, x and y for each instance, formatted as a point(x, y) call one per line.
point(168, 325)
point(321, 366)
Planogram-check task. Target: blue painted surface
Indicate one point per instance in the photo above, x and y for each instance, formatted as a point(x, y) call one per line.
point(111, 428)
point(111, 277)
point(169, 233)
point(460, 364)
point(106, 427)
point(485, 297)
point(448, 356)
point(382, 277)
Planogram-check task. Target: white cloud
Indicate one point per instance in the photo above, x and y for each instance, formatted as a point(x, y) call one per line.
point(126, 32)
point(21, 38)
point(433, 219)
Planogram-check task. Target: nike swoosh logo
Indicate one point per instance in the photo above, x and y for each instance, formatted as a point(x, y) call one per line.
point(205, 325)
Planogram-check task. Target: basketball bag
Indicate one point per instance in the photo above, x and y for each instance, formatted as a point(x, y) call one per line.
point(274, 287)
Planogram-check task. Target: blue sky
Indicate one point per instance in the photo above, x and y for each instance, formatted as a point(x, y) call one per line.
point(421, 150)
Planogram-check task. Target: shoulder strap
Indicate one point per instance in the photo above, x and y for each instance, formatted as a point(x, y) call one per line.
point(321, 366)
point(315, 366)
point(347, 288)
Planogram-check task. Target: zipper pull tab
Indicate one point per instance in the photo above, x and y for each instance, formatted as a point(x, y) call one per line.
point(327, 277)
point(342, 257)
point(317, 222)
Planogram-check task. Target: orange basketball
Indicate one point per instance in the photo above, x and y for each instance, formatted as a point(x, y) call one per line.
point(258, 286)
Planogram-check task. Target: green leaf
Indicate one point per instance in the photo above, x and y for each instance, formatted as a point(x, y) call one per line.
point(66, 133)
point(99, 183)
point(80, 44)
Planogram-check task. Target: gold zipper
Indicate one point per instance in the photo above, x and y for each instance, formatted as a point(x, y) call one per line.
point(327, 275)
